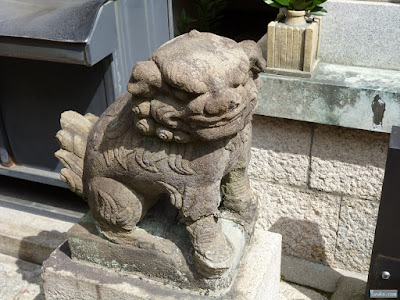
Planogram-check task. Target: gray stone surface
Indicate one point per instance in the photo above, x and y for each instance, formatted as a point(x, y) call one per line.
point(30, 236)
point(356, 234)
point(309, 273)
point(291, 291)
point(307, 220)
point(182, 131)
point(336, 95)
point(361, 33)
point(348, 162)
point(350, 288)
point(280, 151)
point(19, 280)
point(315, 275)
point(258, 278)
point(161, 251)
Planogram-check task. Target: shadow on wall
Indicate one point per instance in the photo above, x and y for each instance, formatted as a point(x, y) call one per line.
point(301, 238)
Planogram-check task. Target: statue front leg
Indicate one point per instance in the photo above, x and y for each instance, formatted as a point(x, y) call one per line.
point(115, 207)
point(212, 251)
point(239, 202)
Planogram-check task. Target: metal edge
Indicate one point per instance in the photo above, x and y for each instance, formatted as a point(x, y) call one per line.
point(102, 40)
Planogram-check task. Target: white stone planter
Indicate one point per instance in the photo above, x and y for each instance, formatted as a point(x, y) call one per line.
point(293, 44)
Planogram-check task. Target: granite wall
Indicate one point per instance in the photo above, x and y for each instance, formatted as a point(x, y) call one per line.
point(319, 186)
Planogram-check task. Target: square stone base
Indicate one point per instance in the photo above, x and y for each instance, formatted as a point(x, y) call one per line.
point(258, 277)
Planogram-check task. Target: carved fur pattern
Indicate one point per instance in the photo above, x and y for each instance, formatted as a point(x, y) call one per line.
point(119, 152)
point(152, 151)
point(111, 205)
point(175, 195)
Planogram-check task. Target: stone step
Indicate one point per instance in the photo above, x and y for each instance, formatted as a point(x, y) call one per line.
point(34, 219)
point(30, 236)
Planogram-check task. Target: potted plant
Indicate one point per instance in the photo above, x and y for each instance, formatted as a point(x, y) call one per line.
point(293, 38)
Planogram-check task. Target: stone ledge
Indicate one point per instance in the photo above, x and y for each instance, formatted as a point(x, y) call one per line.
point(258, 277)
point(30, 236)
point(336, 95)
point(315, 275)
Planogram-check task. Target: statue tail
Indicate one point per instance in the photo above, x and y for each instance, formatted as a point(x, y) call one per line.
point(72, 138)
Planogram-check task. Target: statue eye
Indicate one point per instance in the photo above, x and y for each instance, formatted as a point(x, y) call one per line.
point(233, 105)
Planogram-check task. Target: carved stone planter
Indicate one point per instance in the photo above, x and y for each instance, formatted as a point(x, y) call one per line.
point(293, 44)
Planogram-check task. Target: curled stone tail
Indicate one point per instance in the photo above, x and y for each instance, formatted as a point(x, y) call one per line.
point(72, 138)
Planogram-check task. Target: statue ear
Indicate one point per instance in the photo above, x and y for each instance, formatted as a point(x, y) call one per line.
point(145, 77)
point(253, 51)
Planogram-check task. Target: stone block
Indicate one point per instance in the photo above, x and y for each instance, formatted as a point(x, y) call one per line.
point(161, 251)
point(349, 162)
point(356, 232)
point(30, 236)
point(350, 288)
point(315, 275)
point(353, 33)
point(335, 95)
point(280, 151)
point(307, 220)
point(258, 277)
point(290, 291)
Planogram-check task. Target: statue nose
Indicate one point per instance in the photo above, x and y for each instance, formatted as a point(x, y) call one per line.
point(221, 103)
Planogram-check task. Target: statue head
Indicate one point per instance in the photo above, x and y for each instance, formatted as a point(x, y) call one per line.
point(198, 86)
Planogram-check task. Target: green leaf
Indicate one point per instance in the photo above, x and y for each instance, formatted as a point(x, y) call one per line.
point(319, 8)
point(283, 2)
point(319, 11)
point(301, 4)
point(273, 3)
point(315, 4)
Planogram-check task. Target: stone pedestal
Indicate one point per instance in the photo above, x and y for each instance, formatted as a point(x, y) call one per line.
point(257, 277)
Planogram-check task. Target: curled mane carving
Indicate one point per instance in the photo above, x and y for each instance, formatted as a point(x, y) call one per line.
point(182, 94)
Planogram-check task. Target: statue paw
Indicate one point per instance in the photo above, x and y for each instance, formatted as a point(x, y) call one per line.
point(212, 251)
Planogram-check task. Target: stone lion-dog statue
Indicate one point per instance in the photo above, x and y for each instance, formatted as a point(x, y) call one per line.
point(182, 129)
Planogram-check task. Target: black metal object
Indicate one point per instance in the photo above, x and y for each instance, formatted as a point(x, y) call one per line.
point(73, 31)
point(53, 20)
point(58, 55)
point(384, 273)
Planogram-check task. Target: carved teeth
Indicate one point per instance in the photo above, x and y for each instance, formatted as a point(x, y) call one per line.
point(164, 134)
point(142, 110)
point(182, 137)
point(146, 126)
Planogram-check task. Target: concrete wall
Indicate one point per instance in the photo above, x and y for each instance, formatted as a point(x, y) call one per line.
point(319, 186)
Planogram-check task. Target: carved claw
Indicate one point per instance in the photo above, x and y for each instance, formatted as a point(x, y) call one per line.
point(212, 251)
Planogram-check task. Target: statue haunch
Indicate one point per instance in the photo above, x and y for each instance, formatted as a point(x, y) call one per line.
point(184, 129)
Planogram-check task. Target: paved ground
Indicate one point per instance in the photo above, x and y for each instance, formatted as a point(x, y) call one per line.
point(20, 280)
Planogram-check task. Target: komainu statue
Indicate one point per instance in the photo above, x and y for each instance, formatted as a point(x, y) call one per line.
point(183, 129)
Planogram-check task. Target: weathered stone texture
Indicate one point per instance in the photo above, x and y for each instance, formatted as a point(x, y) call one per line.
point(290, 291)
point(307, 220)
point(257, 278)
point(30, 236)
point(280, 150)
point(182, 130)
point(349, 162)
point(356, 234)
point(350, 288)
point(19, 280)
